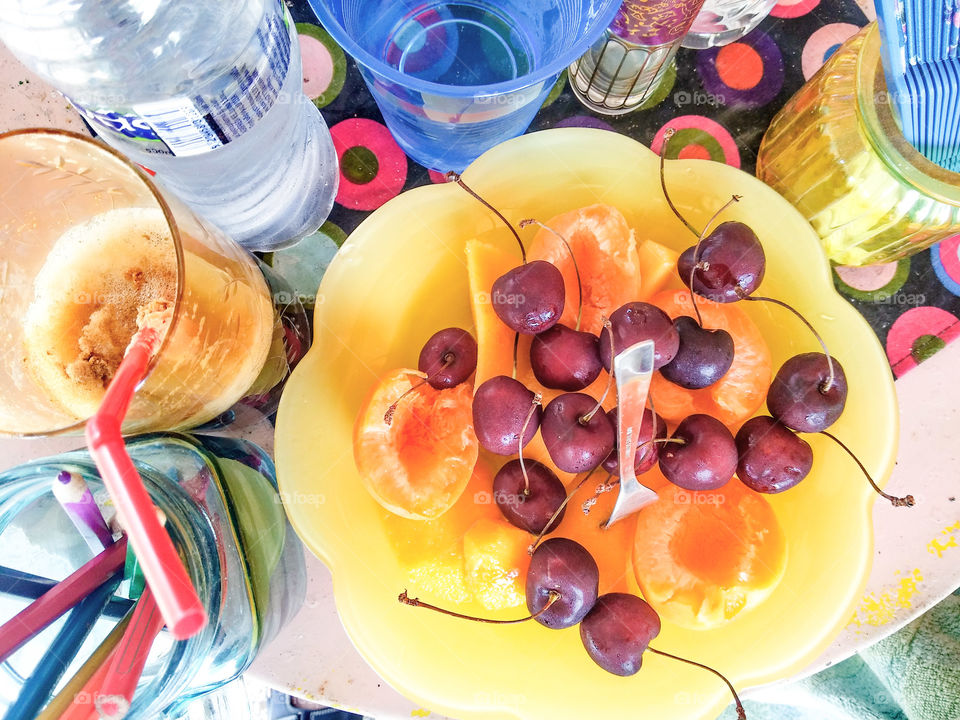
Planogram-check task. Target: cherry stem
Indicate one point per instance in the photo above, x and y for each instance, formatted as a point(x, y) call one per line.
point(553, 518)
point(537, 399)
point(696, 253)
point(455, 177)
point(826, 384)
point(741, 713)
point(905, 501)
point(667, 134)
point(516, 347)
point(576, 267)
point(448, 359)
point(608, 326)
point(417, 602)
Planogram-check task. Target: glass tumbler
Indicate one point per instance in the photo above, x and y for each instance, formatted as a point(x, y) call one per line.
point(88, 247)
point(628, 63)
point(836, 153)
point(721, 22)
point(226, 520)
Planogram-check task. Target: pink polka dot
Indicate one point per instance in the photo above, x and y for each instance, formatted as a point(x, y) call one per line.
point(731, 154)
point(793, 8)
point(391, 163)
point(912, 324)
point(818, 45)
point(317, 66)
point(867, 279)
point(694, 152)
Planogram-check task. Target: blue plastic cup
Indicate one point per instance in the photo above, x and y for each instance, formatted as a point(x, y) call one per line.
point(453, 79)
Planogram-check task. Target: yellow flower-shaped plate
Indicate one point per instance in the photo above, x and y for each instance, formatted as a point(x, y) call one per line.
point(401, 276)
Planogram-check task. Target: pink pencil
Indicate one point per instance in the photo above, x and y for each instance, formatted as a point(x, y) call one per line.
point(113, 697)
point(77, 501)
point(60, 598)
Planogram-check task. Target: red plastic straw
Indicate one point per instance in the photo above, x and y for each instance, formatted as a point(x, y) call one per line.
point(162, 568)
point(125, 666)
point(60, 598)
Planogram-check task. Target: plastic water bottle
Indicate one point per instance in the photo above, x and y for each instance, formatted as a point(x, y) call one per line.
point(205, 94)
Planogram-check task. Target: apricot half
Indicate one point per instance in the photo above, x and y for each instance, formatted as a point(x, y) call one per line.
point(418, 464)
point(701, 558)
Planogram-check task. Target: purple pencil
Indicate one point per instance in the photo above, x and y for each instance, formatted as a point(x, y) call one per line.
point(77, 501)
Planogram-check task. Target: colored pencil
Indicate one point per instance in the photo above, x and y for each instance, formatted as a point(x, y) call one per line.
point(126, 666)
point(60, 598)
point(77, 502)
point(96, 663)
point(38, 687)
point(29, 587)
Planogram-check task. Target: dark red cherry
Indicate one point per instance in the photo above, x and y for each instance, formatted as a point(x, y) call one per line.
point(617, 631)
point(705, 460)
point(733, 263)
point(448, 358)
point(500, 409)
point(647, 455)
point(562, 566)
point(565, 359)
point(530, 511)
point(529, 299)
point(637, 321)
point(800, 397)
point(576, 446)
point(703, 357)
point(773, 458)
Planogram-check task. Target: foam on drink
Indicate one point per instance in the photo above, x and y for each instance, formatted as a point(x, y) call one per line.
point(99, 283)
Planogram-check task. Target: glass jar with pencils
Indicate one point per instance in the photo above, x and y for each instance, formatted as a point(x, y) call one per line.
point(80, 634)
point(836, 153)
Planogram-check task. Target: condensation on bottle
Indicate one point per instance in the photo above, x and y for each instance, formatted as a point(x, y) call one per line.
point(207, 96)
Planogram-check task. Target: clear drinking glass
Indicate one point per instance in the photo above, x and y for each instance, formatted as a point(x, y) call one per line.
point(87, 244)
point(627, 64)
point(836, 153)
point(453, 79)
point(226, 520)
point(721, 22)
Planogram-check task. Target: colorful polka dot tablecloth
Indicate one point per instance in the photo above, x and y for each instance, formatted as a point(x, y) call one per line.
point(720, 101)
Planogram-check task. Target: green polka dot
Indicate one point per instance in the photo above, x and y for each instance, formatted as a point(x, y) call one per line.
point(359, 164)
point(925, 347)
point(662, 90)
point(694, 136)
point(882, 294)
point(303, 265)
point(333, 232)
point(556, 89)
point(339, 62)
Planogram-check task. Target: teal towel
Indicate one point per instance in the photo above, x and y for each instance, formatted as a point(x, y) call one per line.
point(912, 675)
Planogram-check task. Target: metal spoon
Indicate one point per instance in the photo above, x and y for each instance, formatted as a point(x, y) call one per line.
point(633, 369)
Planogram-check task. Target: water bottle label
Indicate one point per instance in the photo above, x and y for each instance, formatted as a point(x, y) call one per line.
point(184, 126)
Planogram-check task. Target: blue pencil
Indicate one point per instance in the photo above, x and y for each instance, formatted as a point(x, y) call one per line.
point(29, 587)
point(37, 688)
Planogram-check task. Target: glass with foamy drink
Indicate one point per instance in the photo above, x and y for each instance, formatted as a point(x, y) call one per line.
point(91, 251)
